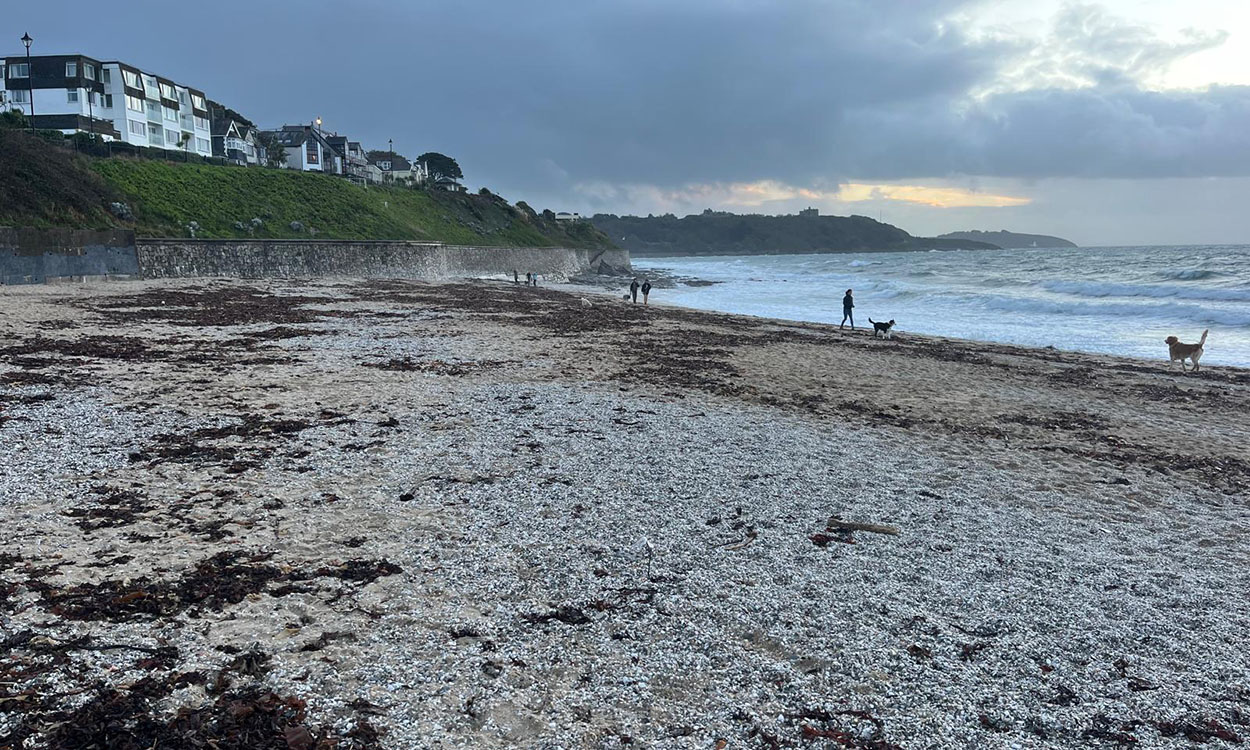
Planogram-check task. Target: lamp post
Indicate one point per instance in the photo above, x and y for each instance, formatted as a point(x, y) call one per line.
point(30, 80)
point(390, 167)
point(91, 108)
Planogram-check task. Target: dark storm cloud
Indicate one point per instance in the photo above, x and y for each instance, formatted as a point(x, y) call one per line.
point(541, 96)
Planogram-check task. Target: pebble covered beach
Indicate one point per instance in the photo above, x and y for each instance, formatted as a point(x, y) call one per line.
point(383, 514)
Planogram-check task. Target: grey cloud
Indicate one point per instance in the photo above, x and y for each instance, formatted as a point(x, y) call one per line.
point(536, 97)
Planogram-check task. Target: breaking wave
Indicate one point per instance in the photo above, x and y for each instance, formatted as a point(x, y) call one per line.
point(1111, 289)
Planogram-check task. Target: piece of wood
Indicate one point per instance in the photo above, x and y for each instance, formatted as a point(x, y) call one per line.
point(837, 524)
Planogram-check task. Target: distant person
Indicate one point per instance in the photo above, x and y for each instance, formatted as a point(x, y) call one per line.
point(848, 304)
point(515, 279)
point(529, 278)
point(646, 290)
point(534, 279)
point(633, 290)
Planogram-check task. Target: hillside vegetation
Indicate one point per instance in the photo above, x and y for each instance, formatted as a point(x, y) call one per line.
point(54, 187)
point(42, 186)
point(720, 233)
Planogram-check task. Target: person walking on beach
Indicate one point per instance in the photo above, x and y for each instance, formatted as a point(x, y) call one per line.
point(646, 290)
point(633, 290)
point(534, 279)
point(515, 279)
point(529, 280)
point(848, 304)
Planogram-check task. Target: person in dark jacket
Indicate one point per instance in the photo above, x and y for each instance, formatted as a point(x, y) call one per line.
point(515, 279)
point(848, 304)
point(646, 290)
point(633, 290)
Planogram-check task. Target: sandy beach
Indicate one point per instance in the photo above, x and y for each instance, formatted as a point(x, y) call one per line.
point(386, 514)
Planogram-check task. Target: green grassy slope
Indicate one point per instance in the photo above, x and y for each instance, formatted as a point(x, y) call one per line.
point(167, 196)
point(41, 186)
point(53, 187)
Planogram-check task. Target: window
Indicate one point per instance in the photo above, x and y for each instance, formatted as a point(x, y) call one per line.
point(197, 101)
point(132, 79)
point(134, 103)
point(138, 128)
point(105, 76)
point(89, 71)
point(71, 69)
point(167, 91)
point(20, 96)
point(311, 150)
point(201, 122)
point(108, 101)
point(154, 110)
point(71, 96)
point(183, 98)
point(19, 70)
point(202, 144)
point(154, 133)
point(172, 137)
point(170, 113)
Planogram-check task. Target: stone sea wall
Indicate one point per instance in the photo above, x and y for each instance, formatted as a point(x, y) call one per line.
point(38, 256)
point(160, 258)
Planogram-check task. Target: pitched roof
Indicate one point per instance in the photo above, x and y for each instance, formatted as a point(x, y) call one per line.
point(398, 163)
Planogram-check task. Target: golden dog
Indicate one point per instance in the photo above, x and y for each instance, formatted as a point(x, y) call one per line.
point(1181, 352)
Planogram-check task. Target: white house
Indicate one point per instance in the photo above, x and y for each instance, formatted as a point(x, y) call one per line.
point(79, 94)
point(236, 142)
point(307, 149)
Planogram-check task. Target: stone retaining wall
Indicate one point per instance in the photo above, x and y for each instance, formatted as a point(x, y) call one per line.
point(159, 258)
point(36, 256)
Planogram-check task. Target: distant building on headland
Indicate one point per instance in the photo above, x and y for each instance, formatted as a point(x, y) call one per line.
point(113, 100)
point(566, 216)
point(809, 211)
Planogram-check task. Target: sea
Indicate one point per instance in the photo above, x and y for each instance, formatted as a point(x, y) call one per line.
point(1111, 300)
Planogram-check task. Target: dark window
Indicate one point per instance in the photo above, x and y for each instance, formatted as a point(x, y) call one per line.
point(312, 152)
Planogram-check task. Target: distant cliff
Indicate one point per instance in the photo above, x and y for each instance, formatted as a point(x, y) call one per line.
point(721, 233)
point(1005, 239)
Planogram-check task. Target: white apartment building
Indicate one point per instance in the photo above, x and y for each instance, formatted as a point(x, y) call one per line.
point(78, 94)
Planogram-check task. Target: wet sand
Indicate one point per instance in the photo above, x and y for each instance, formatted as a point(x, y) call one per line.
point(391, 514)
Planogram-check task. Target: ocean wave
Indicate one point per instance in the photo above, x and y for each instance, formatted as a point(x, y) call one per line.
point(862, 263)
point(1190, 274)
point(1110, 289)
point(1171, 310)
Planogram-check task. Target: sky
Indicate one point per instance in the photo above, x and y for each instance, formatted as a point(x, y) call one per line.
point(1117, 122)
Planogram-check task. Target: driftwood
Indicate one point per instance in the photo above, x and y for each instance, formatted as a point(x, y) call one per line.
point(837, 524)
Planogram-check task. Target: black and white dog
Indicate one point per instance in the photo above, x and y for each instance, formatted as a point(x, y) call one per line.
point(882, 329)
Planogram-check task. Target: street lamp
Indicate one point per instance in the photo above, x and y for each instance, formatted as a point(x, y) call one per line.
point(390, 168)
point(30, 80)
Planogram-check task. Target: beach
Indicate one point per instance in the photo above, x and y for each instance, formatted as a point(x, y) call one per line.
point(390, 514)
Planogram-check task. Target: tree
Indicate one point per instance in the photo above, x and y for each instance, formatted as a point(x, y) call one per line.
point(275, 154)
point(12, 119)
point(438, 166)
